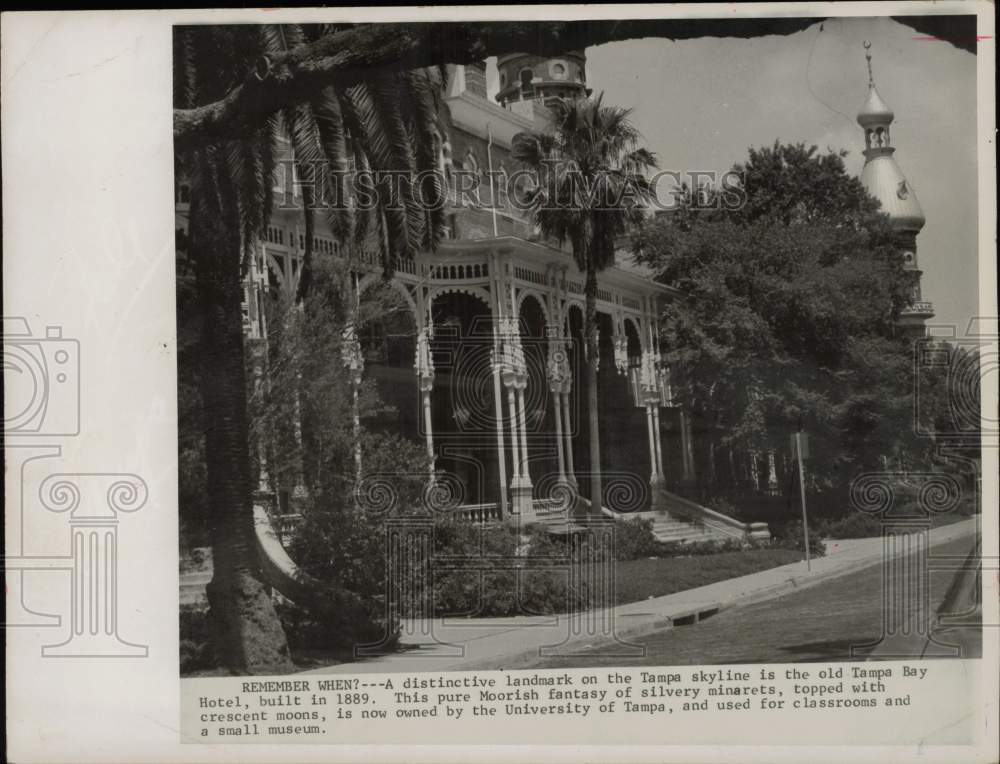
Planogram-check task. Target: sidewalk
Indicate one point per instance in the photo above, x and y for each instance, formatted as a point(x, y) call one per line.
point(463, 644)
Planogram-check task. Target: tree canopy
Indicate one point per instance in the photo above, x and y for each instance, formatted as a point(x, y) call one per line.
point(345, 55)
point(790, 312)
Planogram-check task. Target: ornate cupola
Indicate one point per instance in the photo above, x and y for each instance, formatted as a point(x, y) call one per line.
point(884, 180)
point(527, 77)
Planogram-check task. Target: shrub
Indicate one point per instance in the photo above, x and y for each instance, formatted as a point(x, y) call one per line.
point(487, 580)
point(634, 539)
point(342, 623)
point(854, 525)
point(723, 506)
point(699, 548)
point(791, 538)
point(196, 651)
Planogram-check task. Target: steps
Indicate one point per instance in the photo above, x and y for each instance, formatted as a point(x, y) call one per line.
point(550, 511)
point(671, 530)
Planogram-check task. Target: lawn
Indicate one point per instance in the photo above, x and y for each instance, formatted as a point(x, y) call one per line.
point(641, 579)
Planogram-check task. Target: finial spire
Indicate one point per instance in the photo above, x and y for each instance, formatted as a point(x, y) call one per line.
point(868, 58)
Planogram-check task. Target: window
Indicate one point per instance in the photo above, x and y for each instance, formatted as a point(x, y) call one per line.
point(526, 77)
point(558, 70)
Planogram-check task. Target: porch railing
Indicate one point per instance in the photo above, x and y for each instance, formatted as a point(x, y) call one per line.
point(480, 513)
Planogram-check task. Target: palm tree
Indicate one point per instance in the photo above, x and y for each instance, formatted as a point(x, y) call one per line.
point(590, 190)
point(385, 123)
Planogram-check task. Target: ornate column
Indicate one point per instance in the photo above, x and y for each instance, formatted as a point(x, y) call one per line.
point(523, 428)
point(649, 386)
point(496, 316)
point(515, 447)
point(263, 478)
point(665, 395)
point(354, 362)
point(558, 374)
point(568, 432)
point(772, 473)
point(561, 376)
point(299, 492)
point(514, 373)
point(424, 366)
point(658, 443)
point(686, 453)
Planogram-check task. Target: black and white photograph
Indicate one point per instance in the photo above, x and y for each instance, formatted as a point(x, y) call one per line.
point(439, 384)
point(624, 347)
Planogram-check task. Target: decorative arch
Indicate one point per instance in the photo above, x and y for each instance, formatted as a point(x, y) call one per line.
point(570, 306)
point(399, 286)
point(472, 291)
point(633, 339)
point(636, 325)
point(537, 297)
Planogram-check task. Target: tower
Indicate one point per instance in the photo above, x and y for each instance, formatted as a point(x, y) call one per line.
point(526, 78)
point(884, 180)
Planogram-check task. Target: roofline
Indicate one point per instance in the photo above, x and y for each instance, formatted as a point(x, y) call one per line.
point(507, 244)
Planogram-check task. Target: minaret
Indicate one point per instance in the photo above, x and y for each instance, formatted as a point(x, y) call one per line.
point(883, 179)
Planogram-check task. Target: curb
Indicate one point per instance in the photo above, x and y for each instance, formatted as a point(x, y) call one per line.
point(698, 612)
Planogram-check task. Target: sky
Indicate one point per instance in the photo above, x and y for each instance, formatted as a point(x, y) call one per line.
point(700, 104)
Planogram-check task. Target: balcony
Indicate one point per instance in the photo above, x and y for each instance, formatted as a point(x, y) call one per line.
point(922, 308)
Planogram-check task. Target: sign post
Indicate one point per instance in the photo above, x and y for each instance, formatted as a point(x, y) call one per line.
point(800, 449)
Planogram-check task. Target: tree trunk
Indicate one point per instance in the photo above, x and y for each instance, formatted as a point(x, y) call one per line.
point(591, 333)
point(249, 638)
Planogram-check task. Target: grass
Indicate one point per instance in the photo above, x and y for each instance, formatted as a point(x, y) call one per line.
point(641, 579)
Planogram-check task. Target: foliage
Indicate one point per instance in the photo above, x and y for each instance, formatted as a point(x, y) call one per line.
point(790, 315)
point(503, 574)
point(387, 123)
point(702, 548)
point(791, 537)
point(723, 506)
point(634, 539)
point(590, 183)
point(197, 652)
point(854, 525)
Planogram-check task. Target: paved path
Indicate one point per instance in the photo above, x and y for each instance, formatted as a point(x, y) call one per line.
point(462, 644)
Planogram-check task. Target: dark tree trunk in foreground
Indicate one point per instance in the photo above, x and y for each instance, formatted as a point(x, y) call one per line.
point(593, 348)
point(249, 638)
